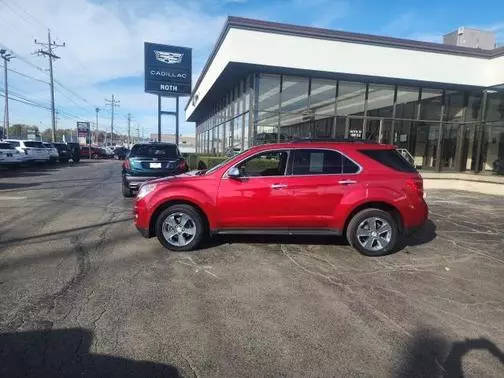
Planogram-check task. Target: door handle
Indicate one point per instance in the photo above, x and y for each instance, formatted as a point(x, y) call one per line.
point(278, 186)
point(347, 182)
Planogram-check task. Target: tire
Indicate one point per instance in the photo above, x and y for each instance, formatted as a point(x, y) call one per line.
point(94, 156)
point(194, 220)
point(126, 191)
point(63, 160)
point(368, 241)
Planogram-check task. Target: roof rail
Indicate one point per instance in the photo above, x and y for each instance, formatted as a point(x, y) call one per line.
point(345, 140)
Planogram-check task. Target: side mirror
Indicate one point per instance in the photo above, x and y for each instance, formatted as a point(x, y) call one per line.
point(234, 173)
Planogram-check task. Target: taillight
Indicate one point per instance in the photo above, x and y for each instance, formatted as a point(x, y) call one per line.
point(126, 164)
point(416, 185)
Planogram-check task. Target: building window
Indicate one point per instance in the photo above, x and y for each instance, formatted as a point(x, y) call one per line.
point(407, 102)
point(269, 93)
point(454, 106)
point(473, 112)
point(493, 148)
point(430, 105)
point(495, 106)
point(322, 97)
point(380, 100)
point(351, 98)
point(246, 119)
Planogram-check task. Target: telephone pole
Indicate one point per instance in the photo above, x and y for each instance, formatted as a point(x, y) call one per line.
point(112, 103)
point(129, 129)
point(50, 45)
point(6, 58)
point(97, 110)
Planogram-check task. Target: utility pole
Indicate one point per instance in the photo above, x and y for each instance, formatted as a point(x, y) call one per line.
point(129, 129)
point(138, 133)
point(50, 45)
point(96, 131)
point(6, 58)
point(112, 103)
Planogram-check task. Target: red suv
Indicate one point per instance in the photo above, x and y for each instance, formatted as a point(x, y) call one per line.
point(365, 191)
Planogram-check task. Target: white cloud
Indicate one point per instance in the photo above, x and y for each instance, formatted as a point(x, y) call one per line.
point(104, 41)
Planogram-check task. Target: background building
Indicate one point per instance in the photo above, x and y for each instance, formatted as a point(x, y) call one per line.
point(269, 82)
point(468, 37)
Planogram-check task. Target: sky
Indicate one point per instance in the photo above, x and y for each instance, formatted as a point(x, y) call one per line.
point(103, 53)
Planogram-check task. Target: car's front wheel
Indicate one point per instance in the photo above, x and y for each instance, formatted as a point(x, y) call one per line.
point(180, 228)
point(373, 232)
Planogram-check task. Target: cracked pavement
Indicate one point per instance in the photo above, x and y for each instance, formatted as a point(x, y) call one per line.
point(82, 293)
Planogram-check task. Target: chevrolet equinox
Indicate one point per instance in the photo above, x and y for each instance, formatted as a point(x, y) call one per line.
point(367, 192)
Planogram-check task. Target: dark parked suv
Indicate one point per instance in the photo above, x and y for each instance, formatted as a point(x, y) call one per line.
point(63, 151)
point(149, 161)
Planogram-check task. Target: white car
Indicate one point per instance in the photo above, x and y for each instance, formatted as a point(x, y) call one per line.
point(9, 155)
point(53, 152)
point(33, 149)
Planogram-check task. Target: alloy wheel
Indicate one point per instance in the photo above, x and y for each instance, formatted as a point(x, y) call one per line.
point(374, 233)
point(179, 229)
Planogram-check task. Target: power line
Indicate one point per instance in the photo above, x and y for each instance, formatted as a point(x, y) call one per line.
point(25, 75)
point(25, 12)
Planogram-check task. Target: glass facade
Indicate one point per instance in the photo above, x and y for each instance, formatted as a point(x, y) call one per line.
point(441, 128)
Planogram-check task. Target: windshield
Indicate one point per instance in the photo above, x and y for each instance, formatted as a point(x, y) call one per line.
point(166, 151)
point(34, 144)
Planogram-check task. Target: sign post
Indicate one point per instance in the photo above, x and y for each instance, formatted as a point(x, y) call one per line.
point(168, 73)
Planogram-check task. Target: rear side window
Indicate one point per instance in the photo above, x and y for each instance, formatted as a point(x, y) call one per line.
point(321, 162)
point(6, 146)
point(391, 159)
point(14, 143)
point(34, 144)
point(159, 151)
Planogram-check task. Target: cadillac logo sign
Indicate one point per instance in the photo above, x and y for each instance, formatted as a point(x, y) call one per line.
point(168, 69)
point(168, 57)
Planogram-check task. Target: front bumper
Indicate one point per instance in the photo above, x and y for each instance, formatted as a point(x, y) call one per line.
point(143, 231)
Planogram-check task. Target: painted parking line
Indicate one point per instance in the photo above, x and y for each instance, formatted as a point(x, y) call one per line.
point(7, 198)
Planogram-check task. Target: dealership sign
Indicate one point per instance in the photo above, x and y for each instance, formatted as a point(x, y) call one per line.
point(168, 69)
point(83, 132)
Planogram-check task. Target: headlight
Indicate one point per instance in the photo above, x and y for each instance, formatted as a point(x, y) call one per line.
point(145, 189)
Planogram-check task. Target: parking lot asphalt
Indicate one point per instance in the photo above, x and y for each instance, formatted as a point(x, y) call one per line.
point(82, 293)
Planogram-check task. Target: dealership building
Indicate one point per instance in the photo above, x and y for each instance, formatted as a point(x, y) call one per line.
point(442, 104)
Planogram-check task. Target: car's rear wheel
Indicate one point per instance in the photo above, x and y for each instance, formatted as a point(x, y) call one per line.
point(126, 191)
point(373, 232)
point(180, 228)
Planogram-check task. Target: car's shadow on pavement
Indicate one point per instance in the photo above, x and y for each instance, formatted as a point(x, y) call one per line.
point(424, 235)
point(66, 353)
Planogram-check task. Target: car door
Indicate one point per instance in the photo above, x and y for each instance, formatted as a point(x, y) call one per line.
point(258, 199)
point(317, 181)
